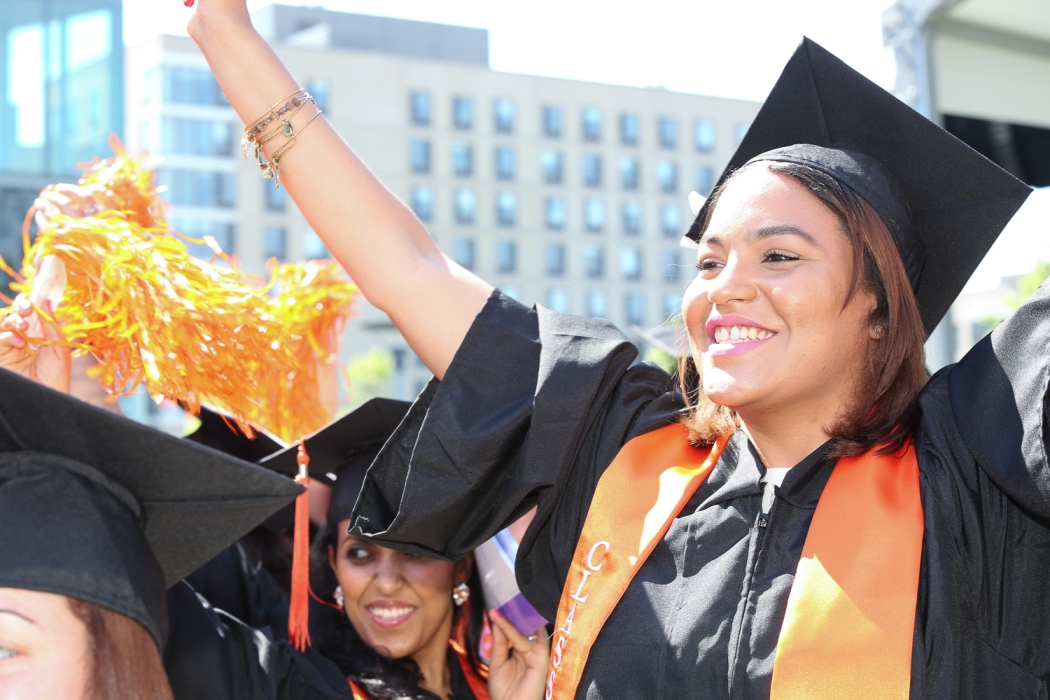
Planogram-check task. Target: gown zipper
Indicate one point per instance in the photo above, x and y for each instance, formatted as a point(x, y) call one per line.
point(757, 541)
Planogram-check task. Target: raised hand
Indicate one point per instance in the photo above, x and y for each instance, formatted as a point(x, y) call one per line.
point(47, 364)
point(518, 669)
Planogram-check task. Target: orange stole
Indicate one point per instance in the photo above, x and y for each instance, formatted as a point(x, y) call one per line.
point(851, 611)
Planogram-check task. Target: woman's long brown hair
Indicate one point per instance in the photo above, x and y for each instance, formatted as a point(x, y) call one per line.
point(127, 662)
point(884, 412)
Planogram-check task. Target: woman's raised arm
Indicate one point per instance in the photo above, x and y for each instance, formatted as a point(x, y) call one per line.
point(372, 234)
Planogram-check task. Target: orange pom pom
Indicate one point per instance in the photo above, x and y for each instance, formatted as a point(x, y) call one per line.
point(189, 330)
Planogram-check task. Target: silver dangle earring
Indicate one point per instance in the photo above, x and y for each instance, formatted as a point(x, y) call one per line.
point(460, 594)
point(337, 594)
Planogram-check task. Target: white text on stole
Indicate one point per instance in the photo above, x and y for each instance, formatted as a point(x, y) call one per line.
point(579, 598)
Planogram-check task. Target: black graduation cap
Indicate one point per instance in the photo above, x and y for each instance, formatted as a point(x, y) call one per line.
point(100, 508)
point(221, 433)
point(944, 203)
point(344, 449)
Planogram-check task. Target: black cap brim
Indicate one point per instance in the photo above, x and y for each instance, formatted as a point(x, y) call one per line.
point(959, 201)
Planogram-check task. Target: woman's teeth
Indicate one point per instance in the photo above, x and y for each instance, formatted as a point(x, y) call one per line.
point(740, 333)
point(390, 613)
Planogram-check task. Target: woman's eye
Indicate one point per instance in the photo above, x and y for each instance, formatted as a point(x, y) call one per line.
point(7, 653)
point(357, 553)
point(780, 256)
point(706, 264)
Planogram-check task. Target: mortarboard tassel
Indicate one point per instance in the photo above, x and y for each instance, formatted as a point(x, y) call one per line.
point(299, 606)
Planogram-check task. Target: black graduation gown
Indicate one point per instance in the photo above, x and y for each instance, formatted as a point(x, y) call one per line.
point(210, 655)
point(535, 406)
point(240, 586)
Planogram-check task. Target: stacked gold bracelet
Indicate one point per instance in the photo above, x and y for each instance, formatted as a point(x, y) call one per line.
point(263, 130)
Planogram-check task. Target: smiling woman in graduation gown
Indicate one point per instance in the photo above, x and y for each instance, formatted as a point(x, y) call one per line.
point(558, 396)
point(904, 559)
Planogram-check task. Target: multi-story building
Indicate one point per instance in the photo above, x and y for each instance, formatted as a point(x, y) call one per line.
point(563, 193)
point(63, 95)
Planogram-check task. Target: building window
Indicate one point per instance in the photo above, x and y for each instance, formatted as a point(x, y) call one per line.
point(634, 309)
point(465, 205)
point(506, 209)
point(276, 197)
point(632, 218)
point(505, 162)
point(705, 179)
point(629, 129)
point(704, 135)
point(423, 203)
point(672, 266)
point(672, 304)
point(313, 247)
point(195, 188)
point(554, 213)
point(552, 121)
point(671, 221)
point(462, 159)
point(551, 162)
point(740, 132)
point(668, 132)
point(318, 90)
point(558, 300)
point(463, 252)
point(419, 155)
point(183, 85)
point(506, 257)
point(631, 263)
point(192, 137)
point(629, 173)
point(594, 262)
point(667, 176)
point(592, 170)
point(275, 242)
point(503, 112)
point(554, 256)
point(597, 306)
point(419, 108)
point(224, 235)
point(463, 112)
point(594, 215)
point(592, 124)
point(510, 291)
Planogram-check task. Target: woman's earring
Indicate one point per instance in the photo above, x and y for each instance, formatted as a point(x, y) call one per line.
point(337, 594)
point(460, 594)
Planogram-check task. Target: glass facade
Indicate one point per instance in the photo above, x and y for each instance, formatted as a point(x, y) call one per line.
point(629, 173)
point(632, 218)
point(554, 213)
point(631, 263)
point(466, 203)
point(193, 188)
point(554, 257)
point(704, 135)
point(419, 156)
point(667, 176)
point(180, 136)
point(275, 242)
point(506, 257)
point(423, 203)
point(594, 215)
point(62, 84)
point(223, 233)
point(462, 159)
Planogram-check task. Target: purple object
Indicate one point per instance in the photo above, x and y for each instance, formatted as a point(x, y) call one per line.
point(495, 561)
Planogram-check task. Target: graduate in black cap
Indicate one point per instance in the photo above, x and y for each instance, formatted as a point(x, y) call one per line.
point(98, 516)
point(818, 519)
point(397, 625)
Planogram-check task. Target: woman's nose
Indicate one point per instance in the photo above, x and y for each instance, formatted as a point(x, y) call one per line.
point(388, 573)
point(734, 282)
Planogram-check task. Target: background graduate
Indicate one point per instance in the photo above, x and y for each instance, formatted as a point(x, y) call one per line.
point(904, 552)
